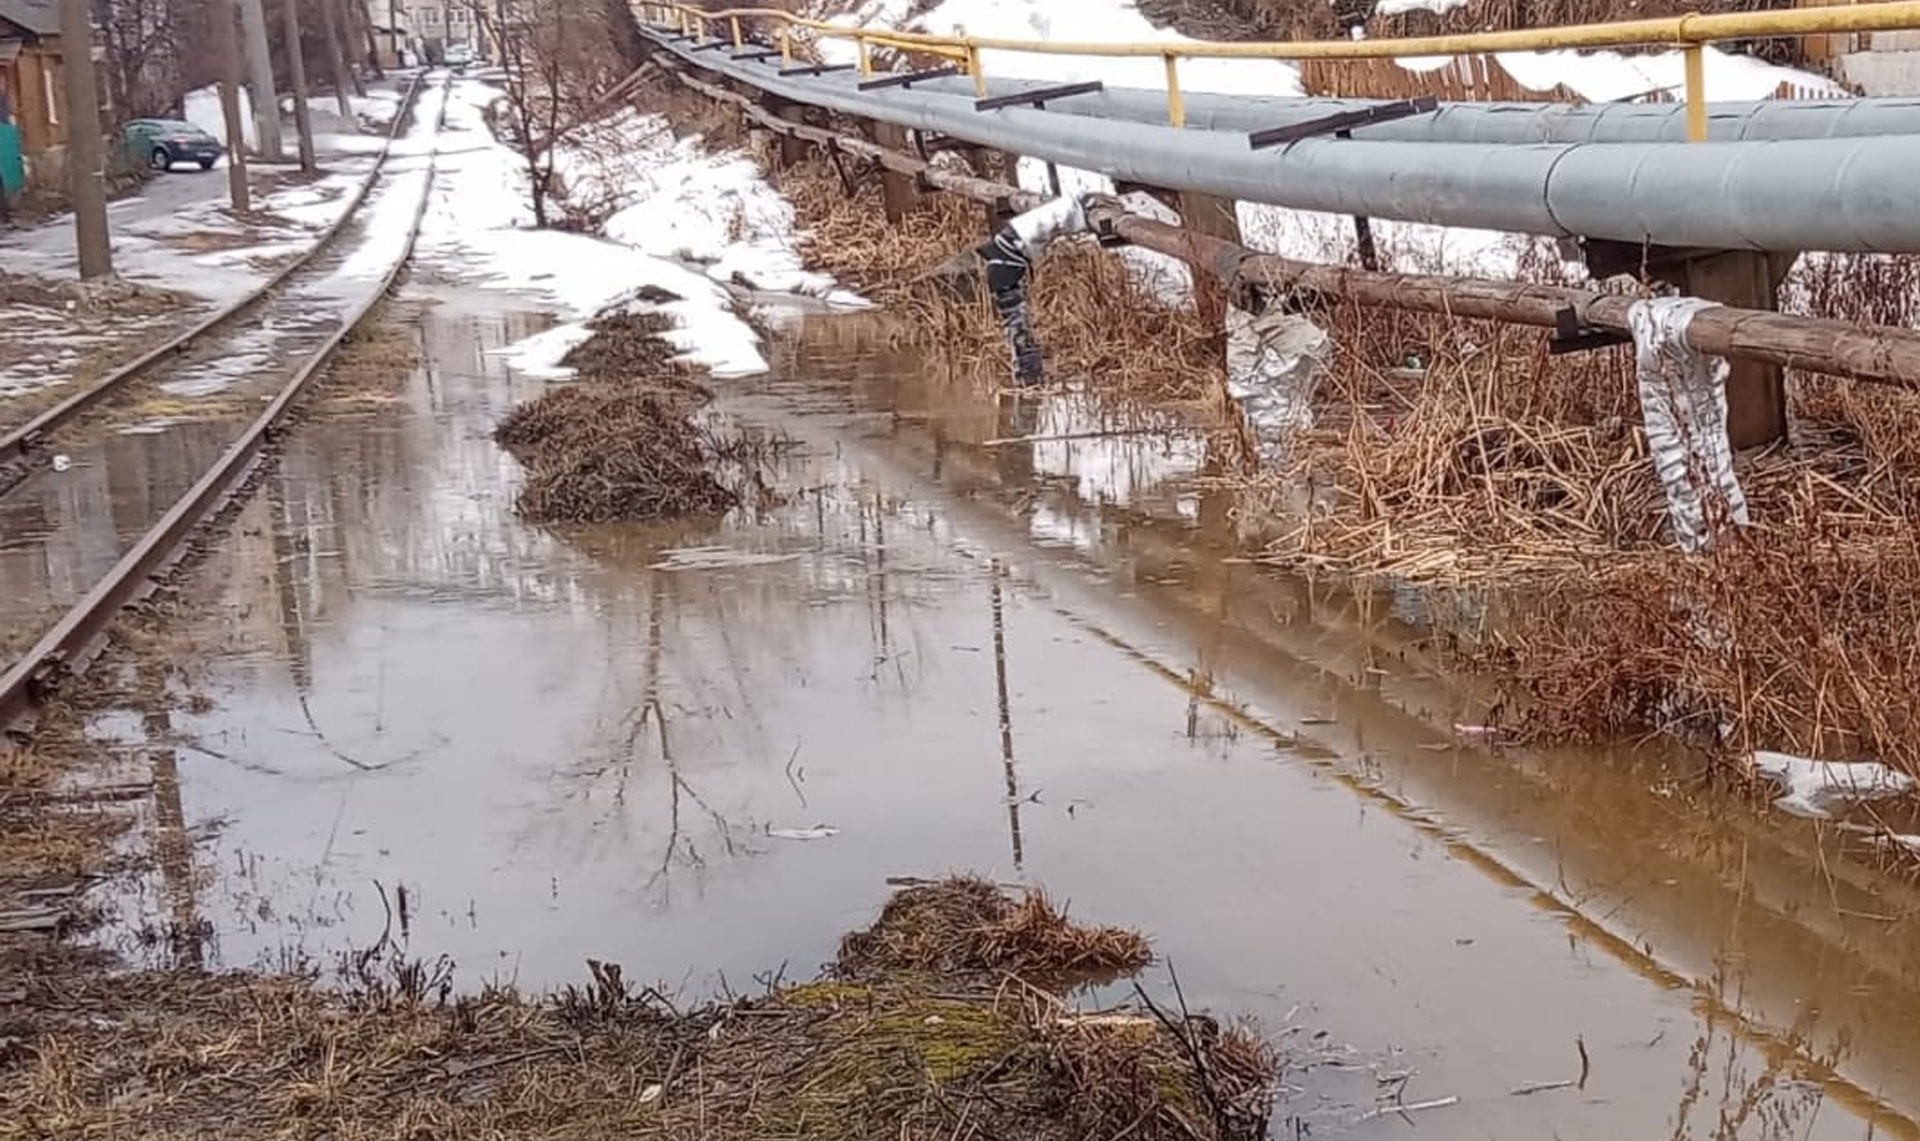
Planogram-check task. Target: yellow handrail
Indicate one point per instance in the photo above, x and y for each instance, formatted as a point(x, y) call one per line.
point(1689, 32)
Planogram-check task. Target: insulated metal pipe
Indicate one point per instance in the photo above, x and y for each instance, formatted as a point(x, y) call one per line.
point(1812, 194)
point(1495, 122)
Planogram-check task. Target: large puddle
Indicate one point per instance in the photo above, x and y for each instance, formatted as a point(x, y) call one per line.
point(982, 638)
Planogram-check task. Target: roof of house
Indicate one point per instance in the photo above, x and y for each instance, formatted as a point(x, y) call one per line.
point(40, 17)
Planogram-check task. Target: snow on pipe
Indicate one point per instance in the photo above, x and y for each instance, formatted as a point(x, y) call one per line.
point(1768, 119)
point(1815, 194)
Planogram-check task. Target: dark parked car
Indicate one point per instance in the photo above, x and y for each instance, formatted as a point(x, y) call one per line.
point(162, 142)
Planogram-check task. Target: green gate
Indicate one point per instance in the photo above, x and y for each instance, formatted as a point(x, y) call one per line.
point(13, 172)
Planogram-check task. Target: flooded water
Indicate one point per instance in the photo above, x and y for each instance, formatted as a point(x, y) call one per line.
point(65, 526)
point(701, 749)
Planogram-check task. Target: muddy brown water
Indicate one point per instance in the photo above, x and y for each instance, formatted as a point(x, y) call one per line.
point(699, 749)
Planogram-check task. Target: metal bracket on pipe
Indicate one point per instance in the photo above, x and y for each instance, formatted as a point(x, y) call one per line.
point(908, 79)
point(1039, 97)
point(816, 68)
point(757, 54)
point(1570, 335)
point(709, 45)
point(1342, 123)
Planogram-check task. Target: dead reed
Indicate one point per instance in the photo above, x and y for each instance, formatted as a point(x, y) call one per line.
point(1099, 317)
point(966, 927)
point(622, 443)
point(1493, 464)
point(396, 1054)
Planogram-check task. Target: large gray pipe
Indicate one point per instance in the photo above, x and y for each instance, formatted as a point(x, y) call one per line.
point(1808, 194)
point(1494, 122)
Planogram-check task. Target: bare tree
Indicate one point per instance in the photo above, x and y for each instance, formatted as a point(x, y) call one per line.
point(140, 38)
point(558, 55)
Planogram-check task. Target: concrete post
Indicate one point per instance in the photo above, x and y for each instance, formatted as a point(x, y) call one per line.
point(297, 75)
point(792, 151)
point(336, 57)
point(1215, 218)
point(1745, 279)
point(266, 101)
point(86, 148)
point(900, 194)
point(1756, 391)
point(227, 51)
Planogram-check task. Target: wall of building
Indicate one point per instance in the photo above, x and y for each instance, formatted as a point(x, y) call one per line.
point(39, 108)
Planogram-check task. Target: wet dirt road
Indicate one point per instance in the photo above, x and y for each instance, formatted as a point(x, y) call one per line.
point(700, 749)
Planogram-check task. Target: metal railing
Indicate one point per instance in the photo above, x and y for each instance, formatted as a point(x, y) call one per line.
point(1689, 33)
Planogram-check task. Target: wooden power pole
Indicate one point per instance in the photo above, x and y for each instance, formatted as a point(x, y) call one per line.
point(336, 56)
point(226, 49)
point(266, 100)
point(297, 75)
point(86, 148)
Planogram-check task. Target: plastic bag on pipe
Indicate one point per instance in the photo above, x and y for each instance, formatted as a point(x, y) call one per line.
point(1273, 366)
point(1683, 399)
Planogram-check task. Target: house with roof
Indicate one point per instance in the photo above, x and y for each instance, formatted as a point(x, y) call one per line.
point(33, 95)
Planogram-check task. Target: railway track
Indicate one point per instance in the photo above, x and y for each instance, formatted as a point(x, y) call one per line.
point(214, 404)
point(20, 444)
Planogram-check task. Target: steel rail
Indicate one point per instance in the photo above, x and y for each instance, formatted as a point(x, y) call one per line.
point(17, 444)
point(80, 633)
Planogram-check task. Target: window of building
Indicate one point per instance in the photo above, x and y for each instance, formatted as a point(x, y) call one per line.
point(49, 75)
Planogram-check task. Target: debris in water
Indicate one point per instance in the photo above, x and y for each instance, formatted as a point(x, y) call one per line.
point(817, 832)
point(621, 445)
point(1816, 788)
point(971, 927)
point(62, 462)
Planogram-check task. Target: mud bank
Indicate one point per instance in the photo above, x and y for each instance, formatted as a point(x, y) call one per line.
point(919, 1028)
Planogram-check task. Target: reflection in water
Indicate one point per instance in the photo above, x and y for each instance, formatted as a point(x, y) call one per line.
point(598, 743)
point(1006, 713)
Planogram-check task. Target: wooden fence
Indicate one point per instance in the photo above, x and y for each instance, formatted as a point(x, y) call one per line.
point(1466, 79)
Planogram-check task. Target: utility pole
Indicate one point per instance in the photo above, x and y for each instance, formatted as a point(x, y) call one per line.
point(266, 101)
point(222, 13)
point(86, 149)
point(297, 74)
point(336, 59)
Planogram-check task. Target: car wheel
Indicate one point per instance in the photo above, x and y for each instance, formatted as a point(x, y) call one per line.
point(160, 159)
point(206, 164)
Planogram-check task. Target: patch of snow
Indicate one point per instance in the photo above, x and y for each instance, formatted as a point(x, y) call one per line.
point(1816, 788)
point(683, 225)
point(1082, 21)
point(1401, 7)
point(1606, 76)
point(201, 107)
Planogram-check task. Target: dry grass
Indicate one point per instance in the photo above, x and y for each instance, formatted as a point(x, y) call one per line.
point(969, 927)
point(174, 1055)
point(1099, 322)
point(1499, 466)
point(622, 443)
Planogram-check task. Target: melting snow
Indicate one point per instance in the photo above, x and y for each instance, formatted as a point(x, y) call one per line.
point(1816, 788)
point(703, 228)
